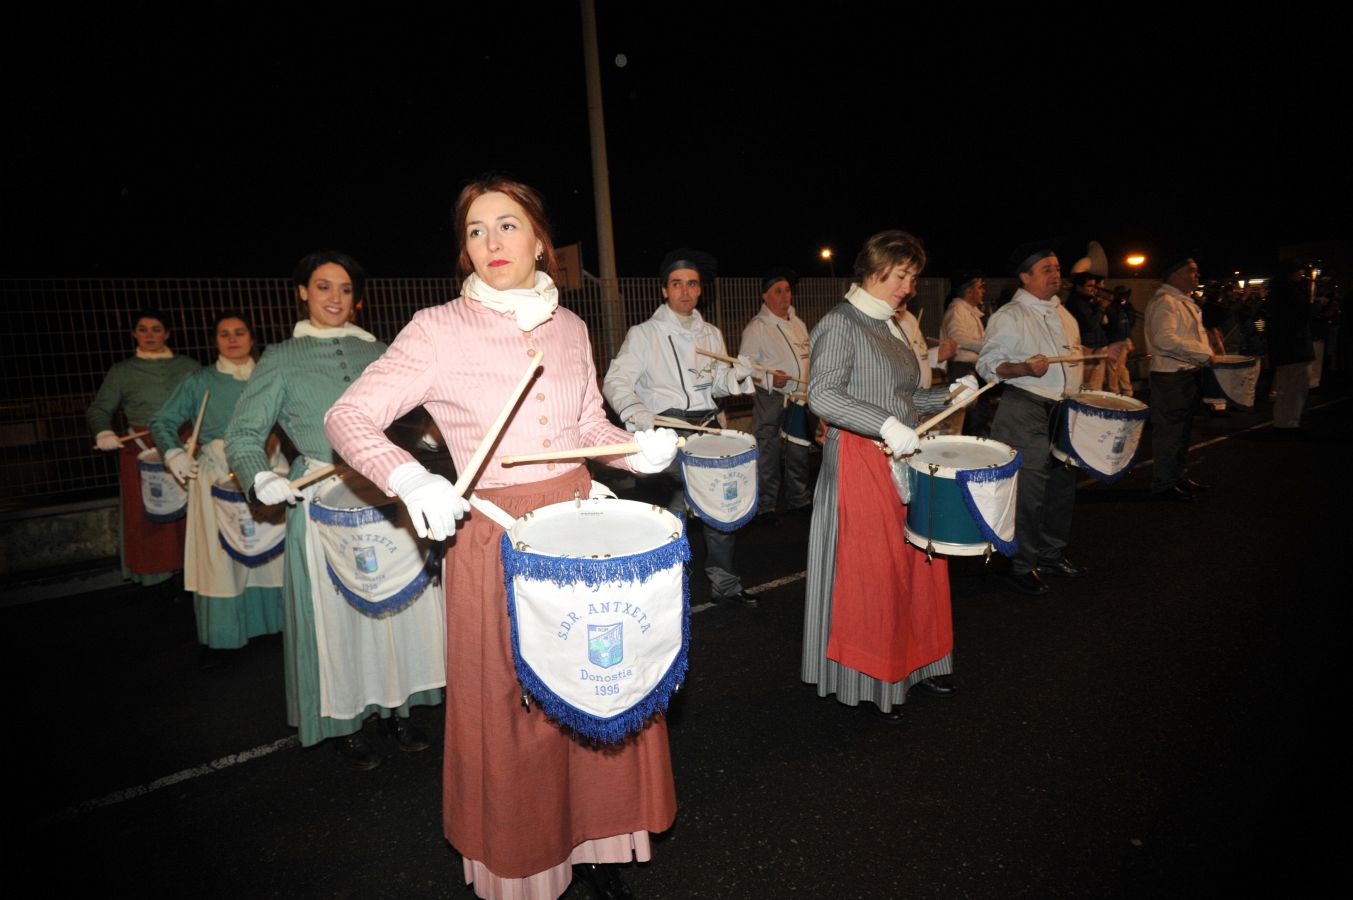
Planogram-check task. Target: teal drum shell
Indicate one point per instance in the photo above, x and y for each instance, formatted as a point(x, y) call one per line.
point(937, 518)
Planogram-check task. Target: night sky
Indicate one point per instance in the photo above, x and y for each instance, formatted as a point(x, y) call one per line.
point(233, 143)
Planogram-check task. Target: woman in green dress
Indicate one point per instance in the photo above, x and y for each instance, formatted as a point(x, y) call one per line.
point(151, 550)
point(236, 596)
point(341, 666)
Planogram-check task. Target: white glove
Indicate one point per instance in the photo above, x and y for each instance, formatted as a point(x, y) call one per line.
point(107, 440)
point(272, 489)
point(432, 501)
point(599, 491)
point(657, 449)
point(641, 419)
point(743, 369)
point(180, 465)
point(901, 440)
point(962, 389)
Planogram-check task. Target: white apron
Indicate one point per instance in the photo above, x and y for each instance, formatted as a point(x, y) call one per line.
point(207, 569)
point(365, 660)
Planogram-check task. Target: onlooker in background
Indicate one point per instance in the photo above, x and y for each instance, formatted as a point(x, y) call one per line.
point(1122, 317)
point(1083, 303)
point(1289, 343)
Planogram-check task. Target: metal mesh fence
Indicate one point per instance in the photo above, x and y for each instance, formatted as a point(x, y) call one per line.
point(64, 335)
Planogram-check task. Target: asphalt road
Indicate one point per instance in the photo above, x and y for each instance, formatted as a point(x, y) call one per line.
point(1165, 727)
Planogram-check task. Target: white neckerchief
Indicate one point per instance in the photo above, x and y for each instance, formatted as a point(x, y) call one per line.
point(673, 323)
point(307, 328)
point(237, 371)
point(1044, 308)
point(165, 353)
point(868, 304)
point(530, 306)
point(767, 314)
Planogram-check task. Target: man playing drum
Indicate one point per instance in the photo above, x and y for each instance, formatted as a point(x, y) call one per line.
point(778, 340)
point(1179, 349)
point(658, 372)
point(1021, 338)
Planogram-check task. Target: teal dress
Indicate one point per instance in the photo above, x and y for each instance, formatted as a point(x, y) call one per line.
point(151, 552)
point(231, 602)
point(294, 385)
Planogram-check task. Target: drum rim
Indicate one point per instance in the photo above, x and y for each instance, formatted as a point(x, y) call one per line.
point(521, 547)
point(922, 467)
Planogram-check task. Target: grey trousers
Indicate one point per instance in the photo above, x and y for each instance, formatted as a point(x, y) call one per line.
point(775, 453)
point(1047, 488)
point(1174, 400)
point(1293, 384)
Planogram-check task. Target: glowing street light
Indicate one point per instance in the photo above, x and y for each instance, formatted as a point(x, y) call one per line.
point(1136, 260)
point(826, 254)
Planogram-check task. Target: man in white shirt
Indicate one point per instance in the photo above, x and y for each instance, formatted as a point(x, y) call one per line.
point(962, 324)
point(1179, 348)
point(1020, 339)
point(777, 339)
point(658, 372)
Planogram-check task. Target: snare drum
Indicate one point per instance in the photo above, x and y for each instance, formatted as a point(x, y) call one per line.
point(598, 600)
point(1100, 433)
point(1232, 378)
point(164, 499)
point(719, 472)
point(963, 496)
point(794, 423)
point(244, 538)
point(371, 552)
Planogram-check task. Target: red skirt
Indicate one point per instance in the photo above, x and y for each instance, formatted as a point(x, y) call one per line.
point(148, 548)
point(890, 608)
point(519, 793)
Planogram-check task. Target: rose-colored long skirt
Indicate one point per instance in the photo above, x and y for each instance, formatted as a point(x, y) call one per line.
point(148, 548)
point(520, 794)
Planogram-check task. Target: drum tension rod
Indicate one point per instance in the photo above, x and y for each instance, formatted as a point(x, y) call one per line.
point(577, 498)
point(525, 701)
point(929, 543)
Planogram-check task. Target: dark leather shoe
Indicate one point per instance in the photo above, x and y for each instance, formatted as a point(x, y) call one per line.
point(932, 688)
point(1027, 583)
point(357, 750)
point(892, 717)
point(1065, 568)
point(746, 599)
point(603, 881)
point(1175, 493)
point(409, 736)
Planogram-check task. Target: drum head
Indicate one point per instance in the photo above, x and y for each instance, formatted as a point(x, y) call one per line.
point(1105, 400)
point(150, 457)
point(718, 446)
point(352, 491)
point(955, 452)
point(594, 528)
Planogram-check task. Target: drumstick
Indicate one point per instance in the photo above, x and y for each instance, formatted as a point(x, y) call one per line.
point(491, 436)
point(665, 422)
point(126, 437)
point(191, 447)
point(729, 359)
point(1074, 358)
point(312, 477)
point(931, 423)
point(579, 453)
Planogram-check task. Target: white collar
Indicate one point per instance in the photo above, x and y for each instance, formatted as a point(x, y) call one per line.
point(672, 322)
point(529, 306)
point(772, 318)
point(868, 304)
point(1029, 301)
point(307, 328)
point(237, 371)
point(164, 353)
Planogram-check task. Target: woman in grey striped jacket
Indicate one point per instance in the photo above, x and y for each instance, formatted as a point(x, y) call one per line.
point(877, 620)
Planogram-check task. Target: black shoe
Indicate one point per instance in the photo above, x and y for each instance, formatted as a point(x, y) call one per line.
point(603, 881)
point(409, 736)
point(1027, 583)
point(357, 750)
point(893, 717)
point(932, 688)
point(1065, 567)
point(1175, 493)
point(746, 599)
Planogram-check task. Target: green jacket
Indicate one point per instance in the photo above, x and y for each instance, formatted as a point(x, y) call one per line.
point(183, 404)
point(139, 388)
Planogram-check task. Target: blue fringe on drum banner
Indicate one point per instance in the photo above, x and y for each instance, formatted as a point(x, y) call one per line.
point(252, 561)
point(1101, 412)
point(1115, 415)
point(593, 573)
point(396, 602)
point(727, 462)
point(990, 473)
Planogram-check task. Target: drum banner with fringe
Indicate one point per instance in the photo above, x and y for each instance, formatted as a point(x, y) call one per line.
point(1100, 439)
point(1232, 378)
point(989, 493)
point(600, 643)
point(719, 472)
point(164, 499)
point(243, 538)
point(372, 555)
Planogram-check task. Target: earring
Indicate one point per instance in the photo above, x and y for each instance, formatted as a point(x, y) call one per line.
point(540, 254)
